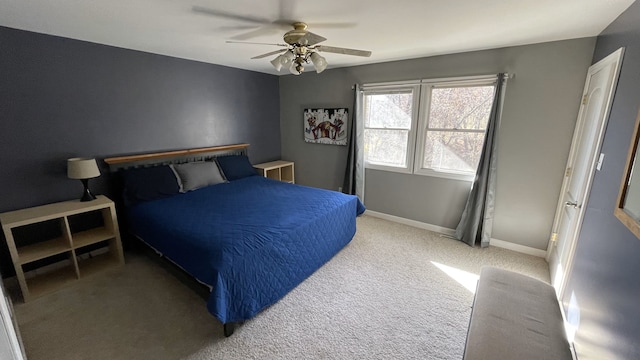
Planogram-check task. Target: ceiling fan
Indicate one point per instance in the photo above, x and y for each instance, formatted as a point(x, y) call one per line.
point(301, 45)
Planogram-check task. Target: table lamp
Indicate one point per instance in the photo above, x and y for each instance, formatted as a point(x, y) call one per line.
point(83, 169)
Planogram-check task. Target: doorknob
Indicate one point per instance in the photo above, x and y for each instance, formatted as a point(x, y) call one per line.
point(574, 204)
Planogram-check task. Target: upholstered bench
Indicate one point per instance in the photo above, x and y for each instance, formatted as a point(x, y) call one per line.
point(515, 317)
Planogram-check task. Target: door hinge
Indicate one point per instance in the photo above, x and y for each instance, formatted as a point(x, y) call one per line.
point(585, 99)
point(554, 237)
point(567, 172)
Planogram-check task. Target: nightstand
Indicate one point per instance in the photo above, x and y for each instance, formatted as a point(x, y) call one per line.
point(82, 245)
point(277, 170)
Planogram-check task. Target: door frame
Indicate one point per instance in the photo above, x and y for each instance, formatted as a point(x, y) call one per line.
point(616, 57)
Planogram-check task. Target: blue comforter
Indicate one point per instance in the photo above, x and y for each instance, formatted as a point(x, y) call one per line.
point(252, 240)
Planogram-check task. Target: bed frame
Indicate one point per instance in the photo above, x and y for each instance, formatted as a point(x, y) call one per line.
point(177, 157)
point(174, 156)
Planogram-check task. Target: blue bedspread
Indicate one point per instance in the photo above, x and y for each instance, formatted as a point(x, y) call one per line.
point(253, 240)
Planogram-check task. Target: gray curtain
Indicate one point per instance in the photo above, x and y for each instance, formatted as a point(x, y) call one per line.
point(476, 223)
point(354, 173)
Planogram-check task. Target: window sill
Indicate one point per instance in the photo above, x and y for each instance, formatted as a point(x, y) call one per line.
point(423, 172)
point(402, 170)
point(446, 175)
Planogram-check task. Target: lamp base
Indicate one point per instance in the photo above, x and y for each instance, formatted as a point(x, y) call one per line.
point(87, 195)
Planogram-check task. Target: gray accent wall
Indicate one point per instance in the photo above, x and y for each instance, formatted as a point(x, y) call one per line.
point(605, 280)
point(62, 98)
point(539, 115)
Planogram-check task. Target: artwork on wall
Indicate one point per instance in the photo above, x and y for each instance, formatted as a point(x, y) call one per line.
point(326, 126)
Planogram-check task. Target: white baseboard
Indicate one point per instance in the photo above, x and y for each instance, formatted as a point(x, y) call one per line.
point(518, 248)
point(447, 231)
point(414, 223)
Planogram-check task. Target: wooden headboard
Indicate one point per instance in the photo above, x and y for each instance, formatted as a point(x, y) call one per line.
point(174, 157)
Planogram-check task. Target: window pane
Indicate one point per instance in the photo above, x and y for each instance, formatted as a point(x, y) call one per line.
point(386, 147)
point(461, 107)
point(391, 110)
point(453, 151)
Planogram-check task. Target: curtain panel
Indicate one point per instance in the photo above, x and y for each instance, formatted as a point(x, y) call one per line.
point(476, 223)
point(354, 174)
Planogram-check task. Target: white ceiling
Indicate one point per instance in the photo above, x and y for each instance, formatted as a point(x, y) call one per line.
point(392, 30)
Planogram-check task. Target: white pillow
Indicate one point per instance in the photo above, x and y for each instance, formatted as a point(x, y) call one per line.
point(197, 175)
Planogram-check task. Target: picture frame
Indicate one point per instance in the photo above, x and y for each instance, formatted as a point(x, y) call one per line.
point(627, 209)
point(326, 126)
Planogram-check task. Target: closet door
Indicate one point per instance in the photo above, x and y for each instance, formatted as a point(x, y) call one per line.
point(582, 164)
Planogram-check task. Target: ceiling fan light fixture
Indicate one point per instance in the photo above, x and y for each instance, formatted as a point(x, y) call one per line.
point(287, 58)
point(296, 68)
point(277, 62)
point(319, 62)
point(301, 48)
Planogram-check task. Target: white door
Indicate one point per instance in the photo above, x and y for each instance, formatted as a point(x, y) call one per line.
point(581, 165)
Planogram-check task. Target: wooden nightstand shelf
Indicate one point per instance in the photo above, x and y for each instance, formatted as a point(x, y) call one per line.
point(72, 242)
point(277, 170)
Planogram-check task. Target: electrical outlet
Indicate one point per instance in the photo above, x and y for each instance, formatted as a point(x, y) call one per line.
point(339, 188)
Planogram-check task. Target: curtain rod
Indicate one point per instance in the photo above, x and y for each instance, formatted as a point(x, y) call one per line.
point(414, 82)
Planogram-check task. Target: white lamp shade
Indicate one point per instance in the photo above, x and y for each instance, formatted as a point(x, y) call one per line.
point(82, 168)
point(319, 62)
point(277, 62)
point(292, 69)
point(287, 58)
point(283, 60)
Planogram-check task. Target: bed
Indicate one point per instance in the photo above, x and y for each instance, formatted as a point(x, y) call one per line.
point(250, 239)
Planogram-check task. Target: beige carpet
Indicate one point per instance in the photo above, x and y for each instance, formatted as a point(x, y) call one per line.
point(390, 294)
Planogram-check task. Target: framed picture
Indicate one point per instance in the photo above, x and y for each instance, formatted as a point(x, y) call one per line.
point(326, 126)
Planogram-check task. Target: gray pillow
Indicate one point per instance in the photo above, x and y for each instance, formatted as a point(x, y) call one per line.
point(196, 175)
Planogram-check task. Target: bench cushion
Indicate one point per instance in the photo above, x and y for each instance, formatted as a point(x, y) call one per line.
point(515, 317)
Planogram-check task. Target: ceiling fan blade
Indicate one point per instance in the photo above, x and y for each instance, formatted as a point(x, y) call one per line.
point(285, 23)
point(254, 43)
point(269, 54)
point(344, 51)
point(228, 15)
point(237, 27)
point(332, 25)
point(311, 39)
point(262, 31)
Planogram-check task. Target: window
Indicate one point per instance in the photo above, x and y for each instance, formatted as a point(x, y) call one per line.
point(389, 127)
point(454, 127)
point(443, 120)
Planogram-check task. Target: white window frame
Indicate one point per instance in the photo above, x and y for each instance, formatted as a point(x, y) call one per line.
point(425, 105)
point(387, 88)
point(421, 90)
